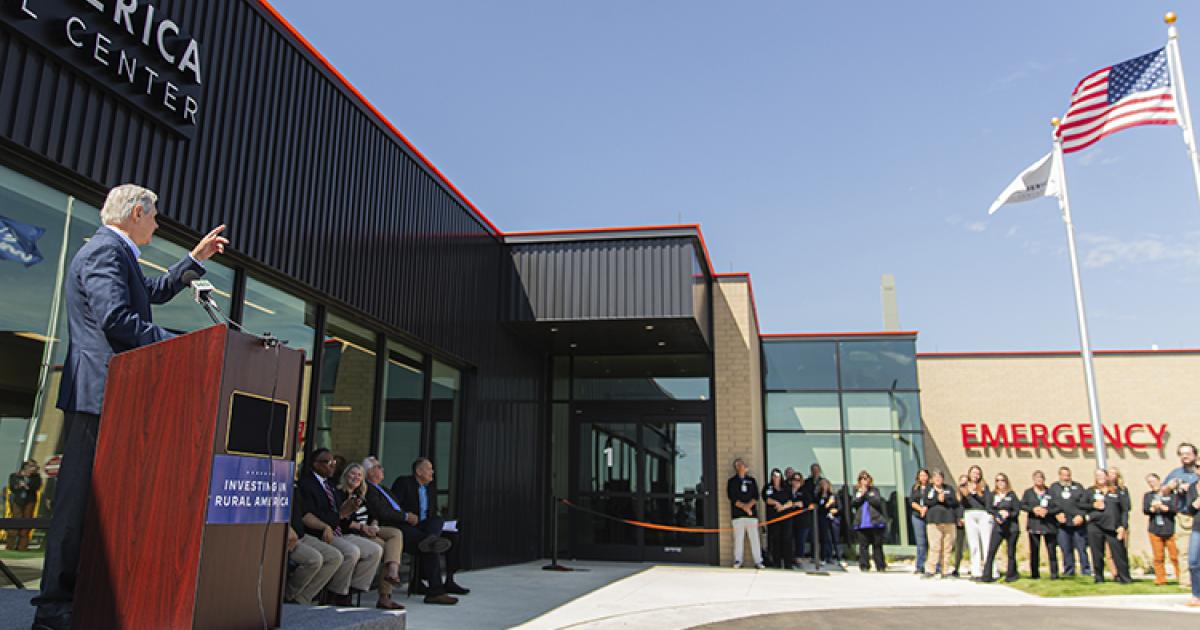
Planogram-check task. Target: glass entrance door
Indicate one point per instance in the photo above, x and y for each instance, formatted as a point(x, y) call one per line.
point(642, 468)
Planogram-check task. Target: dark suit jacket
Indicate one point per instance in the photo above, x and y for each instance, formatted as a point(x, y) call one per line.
point(404, 489)
point(380, 509)
point(108, 311)
point(311, 499)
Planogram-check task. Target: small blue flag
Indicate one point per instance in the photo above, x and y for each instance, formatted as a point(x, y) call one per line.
point(18, 241)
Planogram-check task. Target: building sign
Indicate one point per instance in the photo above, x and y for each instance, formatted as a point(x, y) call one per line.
point(250, 490)
point(1064, 436)
point(125, 45)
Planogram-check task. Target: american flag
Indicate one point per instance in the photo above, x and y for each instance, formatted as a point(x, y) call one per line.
point(1131, 93)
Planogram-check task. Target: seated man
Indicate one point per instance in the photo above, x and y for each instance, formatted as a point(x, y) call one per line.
point(422, 529)
point(322, 517)
point(315, 562)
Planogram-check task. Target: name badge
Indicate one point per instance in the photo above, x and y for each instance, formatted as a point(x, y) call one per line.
point(1097, 496)
point(1045, 501)
point(931, 492)
point(1066, 494)
point(745, 487)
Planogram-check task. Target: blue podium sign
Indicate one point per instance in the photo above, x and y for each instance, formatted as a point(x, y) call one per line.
point(250, 490)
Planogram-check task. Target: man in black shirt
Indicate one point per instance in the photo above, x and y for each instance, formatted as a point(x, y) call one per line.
point(1042, 525)
point(742, 490)
point(1072, 526)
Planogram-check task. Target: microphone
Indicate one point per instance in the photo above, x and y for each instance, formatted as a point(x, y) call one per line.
point(202, 294)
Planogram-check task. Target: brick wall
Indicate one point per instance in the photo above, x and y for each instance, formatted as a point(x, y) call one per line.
point(1137, 388)
point(738, 383)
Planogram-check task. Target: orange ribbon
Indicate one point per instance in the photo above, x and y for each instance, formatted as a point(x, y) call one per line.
point(689, 530)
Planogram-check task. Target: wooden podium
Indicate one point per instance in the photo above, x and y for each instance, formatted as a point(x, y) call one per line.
point(192, 485)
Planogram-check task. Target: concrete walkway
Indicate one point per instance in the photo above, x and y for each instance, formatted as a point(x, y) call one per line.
point(681, 597)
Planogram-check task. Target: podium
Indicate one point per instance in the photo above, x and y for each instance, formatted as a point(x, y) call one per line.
point(192, 485)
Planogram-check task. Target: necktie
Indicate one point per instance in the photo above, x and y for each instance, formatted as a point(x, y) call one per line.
point(337, 531)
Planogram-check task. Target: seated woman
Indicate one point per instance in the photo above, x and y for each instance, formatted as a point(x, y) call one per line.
point(360, 523)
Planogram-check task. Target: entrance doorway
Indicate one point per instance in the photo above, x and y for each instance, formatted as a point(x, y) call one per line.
point(644, 466)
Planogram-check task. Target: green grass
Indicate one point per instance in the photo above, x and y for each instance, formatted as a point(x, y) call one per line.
point(7, 554)
point(1085, 586)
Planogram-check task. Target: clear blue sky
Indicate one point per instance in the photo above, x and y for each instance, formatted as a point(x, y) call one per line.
point(819, 145)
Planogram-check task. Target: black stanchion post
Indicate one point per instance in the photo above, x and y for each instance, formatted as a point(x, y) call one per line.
point(554, 565)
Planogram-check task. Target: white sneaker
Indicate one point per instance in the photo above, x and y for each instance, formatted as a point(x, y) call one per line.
point(760, 566)
point(737, 565)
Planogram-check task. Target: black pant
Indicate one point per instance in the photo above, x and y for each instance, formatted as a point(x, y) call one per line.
point(1035, 543)
point(431, 564)
point(871, 537)
point(1003, 534)
point(825, 528)
point(779, 543)
point(1097, 538)
point(803, 534)
point(70, 508)
point(960, 542)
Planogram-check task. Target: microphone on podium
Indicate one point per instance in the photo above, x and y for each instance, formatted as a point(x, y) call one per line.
point(202, 294)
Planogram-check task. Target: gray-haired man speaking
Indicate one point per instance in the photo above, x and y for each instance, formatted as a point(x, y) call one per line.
point(108, 312)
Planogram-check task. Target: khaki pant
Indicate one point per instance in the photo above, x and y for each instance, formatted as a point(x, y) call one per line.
point(941, 547)
point(392, 541)
point(360, 561)
point(316, 563)
point(1164, 545)
point(1183, 527)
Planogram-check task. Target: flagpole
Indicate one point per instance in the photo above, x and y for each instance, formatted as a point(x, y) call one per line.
point(1175, 62)
point(1085, 344)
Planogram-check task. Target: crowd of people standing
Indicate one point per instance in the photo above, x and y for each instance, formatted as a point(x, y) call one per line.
point(1087, 527)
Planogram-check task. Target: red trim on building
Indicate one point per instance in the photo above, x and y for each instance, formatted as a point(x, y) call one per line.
point(1048, 353)
point(379, 115)
point(881, 333)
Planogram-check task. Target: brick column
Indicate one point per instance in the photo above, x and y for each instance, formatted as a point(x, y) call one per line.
point(738, 384)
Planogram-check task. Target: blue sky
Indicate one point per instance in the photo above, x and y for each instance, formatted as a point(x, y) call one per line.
point(819, 145)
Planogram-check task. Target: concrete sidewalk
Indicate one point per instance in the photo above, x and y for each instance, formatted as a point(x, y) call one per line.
point(681, 597)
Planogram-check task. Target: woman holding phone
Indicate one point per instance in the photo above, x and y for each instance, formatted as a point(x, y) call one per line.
point(941, 518)
point(1005, 510)
point(777, 495)
point(1106, 519)
point(978, 522)
point(918, 510)
point(869, 522)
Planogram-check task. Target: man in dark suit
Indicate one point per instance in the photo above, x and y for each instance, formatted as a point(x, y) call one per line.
point(108, 312)
point(423, 528)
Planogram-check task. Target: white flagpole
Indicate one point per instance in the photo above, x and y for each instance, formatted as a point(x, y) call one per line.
point(1179, 87)
point(1085, 344)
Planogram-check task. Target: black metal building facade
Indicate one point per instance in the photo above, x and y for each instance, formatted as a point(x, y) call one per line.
point(319, 193)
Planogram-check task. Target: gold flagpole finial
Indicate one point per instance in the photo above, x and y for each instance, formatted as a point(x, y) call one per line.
point(1054, 122)
point(1170, 17)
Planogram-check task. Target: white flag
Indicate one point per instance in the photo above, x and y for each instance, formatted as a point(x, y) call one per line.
point(1039, 180)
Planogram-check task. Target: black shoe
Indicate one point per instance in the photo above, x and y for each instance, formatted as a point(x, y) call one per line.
point(52, 624)
point(1012, 578)
point(987, 580)
point(454, 589)
point(443, 599)
point(434, 544)
point(1053, 576)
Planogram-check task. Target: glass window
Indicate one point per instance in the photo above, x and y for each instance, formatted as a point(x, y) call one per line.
point(881, 411)
point(674, 459)
point(447, 399)
point(271, 310)
point(291, 319)
point(403, 410)
point(893, 460)
point(657, 377)
point(801, 450)
point(809, 412)
point(182, 314)
point(347, 410)
point(562, 378)
point(608, 457)
point(801, 364)
point(879, 364)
